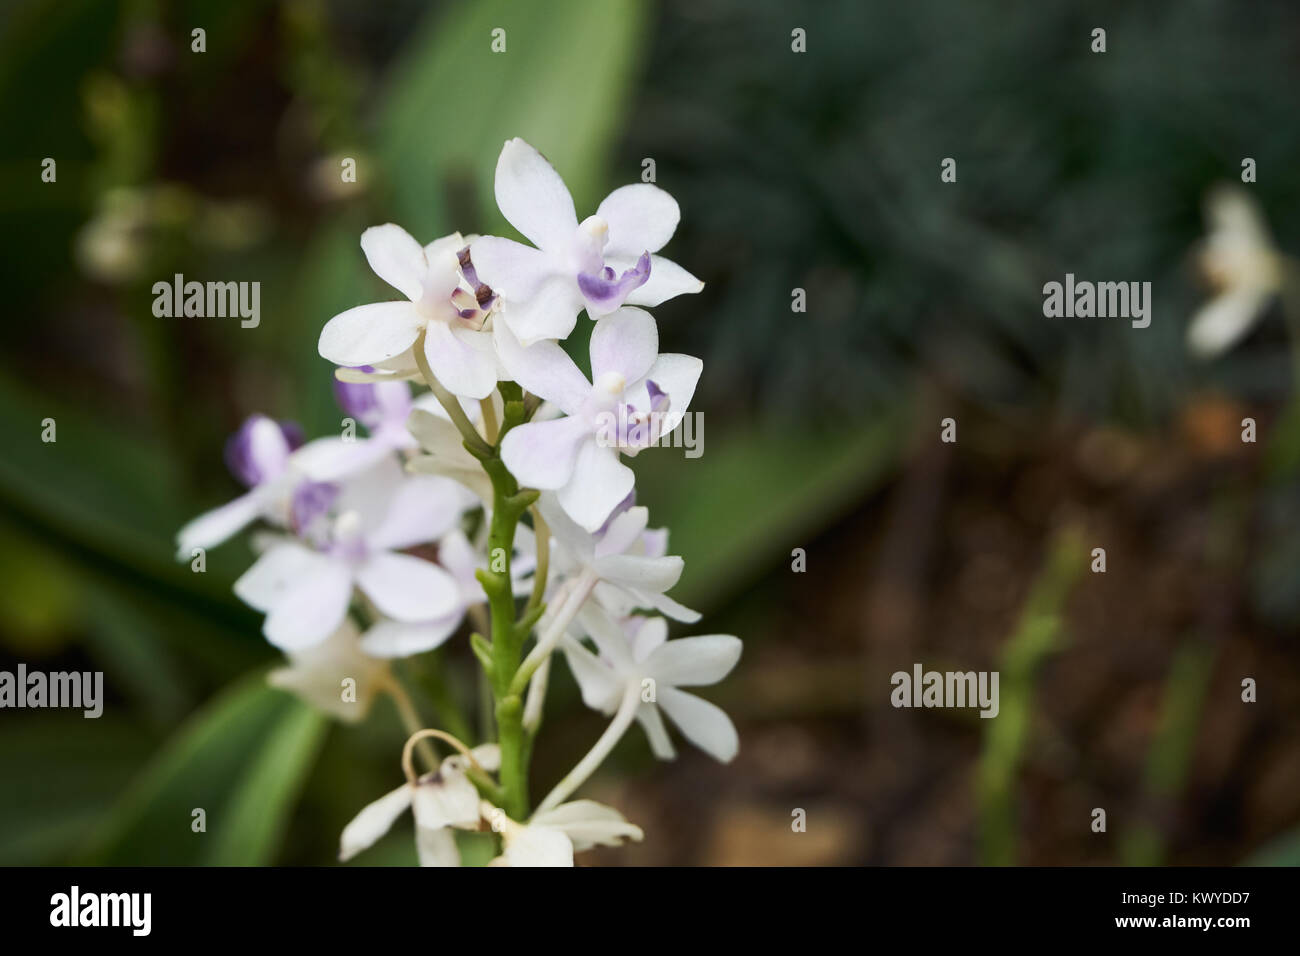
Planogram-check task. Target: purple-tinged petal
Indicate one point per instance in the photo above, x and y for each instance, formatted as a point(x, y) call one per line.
point(258, 451)
point(311, 500)
point(544, 454)
point(607, 290)
point(619, 509)
point(624, 342)
point(599, 482)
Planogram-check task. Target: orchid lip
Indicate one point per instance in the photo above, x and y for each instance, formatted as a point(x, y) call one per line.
point(609, 290)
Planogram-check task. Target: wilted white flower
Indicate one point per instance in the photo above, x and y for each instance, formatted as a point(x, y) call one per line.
point(440, 802)
point(598, 264)
point(316, 674)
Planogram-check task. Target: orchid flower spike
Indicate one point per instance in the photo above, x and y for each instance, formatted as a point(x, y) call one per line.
point(600, 264)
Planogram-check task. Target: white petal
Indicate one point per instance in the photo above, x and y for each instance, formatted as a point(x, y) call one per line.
point(564, 530)
point(544, 369)
point(396, 258)
point(652, 722)
point(448, 800)
point(512, 269)
point(213, 527)
point(648, 635)
point(421, 510)
point(624, 531)
point(610, 640)
point(407, 588)
point(390, 639)
point(451, 244)
point(704, 724)
point(694, 661)
point(664, 605)
point(549, 313)
point(599, 482)
point(330, 459)
point(533, 197)
point(675, 374)
point(624, 342)
point(447, 455)
point(436, 847)
point(544, 454)
point(373, 821)
point(271, 575)
point(600, 686)
point(312, 608)
point(641, 217)
point(642, 573)
point(316, 674)
point(1224, 320)
point(370, 334)
point(461, 359)
point(538, 846)
point(587, 824)
point(667, 281)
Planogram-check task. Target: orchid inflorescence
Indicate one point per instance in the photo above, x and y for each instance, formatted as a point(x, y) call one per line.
point(499, 494)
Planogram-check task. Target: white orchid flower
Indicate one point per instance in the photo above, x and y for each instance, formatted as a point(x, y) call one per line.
point(638, 395)
point(439, 307)
point(1240, 260)
point(260, 456)
point(600, 264)
point(551, 837)
point(658, 668)
point(316, 674)
point(352, 537)
point(440, 802)
point(613, 563)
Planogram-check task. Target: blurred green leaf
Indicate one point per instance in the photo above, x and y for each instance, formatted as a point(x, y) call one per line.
point(243, 760)
point(561, 84)
point(756, 493)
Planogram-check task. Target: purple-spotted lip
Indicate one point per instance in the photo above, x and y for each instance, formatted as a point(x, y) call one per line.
point(637, 429)
point(483, 294)
point(311, 500)
point(609, 289)
point(253, 463)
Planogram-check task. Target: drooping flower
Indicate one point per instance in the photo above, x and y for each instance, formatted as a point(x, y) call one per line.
point(354, 537)
point(439, 307)
point(600, 264)
point(1240, 261)
point(259, 456)
point(440, 802)
point(551, 837)
point(614, 564)
point(638, 395)
point(317, 675)
point(660, 667)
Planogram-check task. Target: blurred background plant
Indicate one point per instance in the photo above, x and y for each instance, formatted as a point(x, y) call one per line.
point(816, 171)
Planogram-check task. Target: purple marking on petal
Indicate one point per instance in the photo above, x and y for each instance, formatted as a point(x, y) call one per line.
point(311, 500)
point(293, 434)
point(609, 290)
point(357, 399)
point(242, 453)
point(619, 508)
point(483, 293)
point(658, 398)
